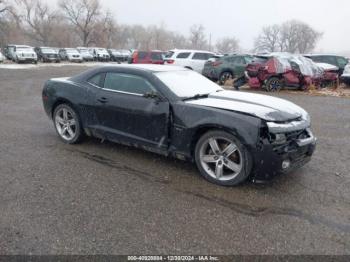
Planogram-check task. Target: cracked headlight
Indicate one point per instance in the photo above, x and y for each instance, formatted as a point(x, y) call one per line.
point(278, 138)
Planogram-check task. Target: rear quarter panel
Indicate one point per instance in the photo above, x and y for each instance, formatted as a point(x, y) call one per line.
point(63, 90)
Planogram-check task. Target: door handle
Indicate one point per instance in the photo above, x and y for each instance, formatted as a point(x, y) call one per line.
point(102, 100)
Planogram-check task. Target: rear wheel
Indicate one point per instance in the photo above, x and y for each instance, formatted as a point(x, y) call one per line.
point(224, 77)
point(67, 124)
point(222, 159)
point(274, 84)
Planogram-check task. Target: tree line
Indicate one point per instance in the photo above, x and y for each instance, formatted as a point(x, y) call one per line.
point(87, 23)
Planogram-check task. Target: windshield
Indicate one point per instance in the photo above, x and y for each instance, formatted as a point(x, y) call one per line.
point(72, 51)
point(101, 50)
point(48, 50)
point(24, 49)
point(187, 83)
point(84, 51)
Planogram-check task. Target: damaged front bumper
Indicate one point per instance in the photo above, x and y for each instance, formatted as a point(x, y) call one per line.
point(271, 159)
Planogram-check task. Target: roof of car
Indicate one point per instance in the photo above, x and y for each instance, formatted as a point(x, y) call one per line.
point(190, 50)
point(321, 55)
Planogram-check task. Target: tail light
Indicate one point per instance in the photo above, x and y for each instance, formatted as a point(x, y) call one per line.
point(170, 61)
point(134, 57)
point(216, 63)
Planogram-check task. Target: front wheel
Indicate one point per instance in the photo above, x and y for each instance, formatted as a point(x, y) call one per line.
point(222, 159)
point(274, 84)
point(67, 124)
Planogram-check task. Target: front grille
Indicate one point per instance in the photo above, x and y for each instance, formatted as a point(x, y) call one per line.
point(290, 144)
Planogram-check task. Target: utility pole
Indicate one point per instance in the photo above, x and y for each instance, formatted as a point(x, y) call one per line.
point(209, 41)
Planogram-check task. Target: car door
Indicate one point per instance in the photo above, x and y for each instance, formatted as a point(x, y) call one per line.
point(183, 59)
point(239, 66)
point(198, 61)
point(126, 115)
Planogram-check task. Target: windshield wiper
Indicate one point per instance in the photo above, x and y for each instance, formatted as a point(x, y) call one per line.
point(197, 96)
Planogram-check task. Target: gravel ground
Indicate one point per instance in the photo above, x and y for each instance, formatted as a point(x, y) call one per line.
point(103, 198)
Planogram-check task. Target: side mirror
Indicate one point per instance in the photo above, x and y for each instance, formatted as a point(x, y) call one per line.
point(152, 95)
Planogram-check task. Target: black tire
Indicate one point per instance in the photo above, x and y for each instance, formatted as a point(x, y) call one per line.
point(224, 76)
point(78, 130)
point(241, 153)
point(274, 84)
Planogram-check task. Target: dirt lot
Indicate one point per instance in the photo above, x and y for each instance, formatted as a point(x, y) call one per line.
point(106, 198)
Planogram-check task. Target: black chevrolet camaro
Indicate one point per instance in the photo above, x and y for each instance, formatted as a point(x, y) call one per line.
point(230, 135)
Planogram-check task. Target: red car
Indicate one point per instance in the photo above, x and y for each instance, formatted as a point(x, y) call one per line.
point(276, 71)
point(147, 57)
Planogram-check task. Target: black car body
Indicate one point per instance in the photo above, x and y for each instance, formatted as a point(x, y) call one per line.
point(274, 133)
point(47, 54)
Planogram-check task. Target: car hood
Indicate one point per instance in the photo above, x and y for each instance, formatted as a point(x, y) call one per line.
point(327, 67)
point(262, 106)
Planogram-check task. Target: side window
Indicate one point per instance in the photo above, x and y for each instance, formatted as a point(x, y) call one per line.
point(317, 59)
point(169, 54)
point(232, 59)
point(183, 55)
point(156, 56)
point(240, 60)
point(248, 59)
point(201, 56)
point(97, 80)
point(341, 61)
point(127, 83)
point(142, 55)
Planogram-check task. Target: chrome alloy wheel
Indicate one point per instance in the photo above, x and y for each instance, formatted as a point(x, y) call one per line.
point(221, 158)
point(65, 123)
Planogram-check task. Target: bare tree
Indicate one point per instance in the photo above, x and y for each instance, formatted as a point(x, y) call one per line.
point(83, 14)
point(39, 19)
point(178, 40)
point(227, 45)
point(197, 37)
point(269, 39)
point(4, 6)
point(291, 36)
point(298, 37)
point(104, 31)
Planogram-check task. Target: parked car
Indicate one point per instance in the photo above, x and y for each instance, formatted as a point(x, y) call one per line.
point(191, 59)
point(71, 55)
point(119, 55)
point(47, 54)
point(2, 57)
point(231, 136)
point(56, 49)
point(147, 57)
point(100, 54)
point(277, 70)
point(226, 67)
point(338, 61)
point(85, 54)
point(21, 53)
point(345, 78)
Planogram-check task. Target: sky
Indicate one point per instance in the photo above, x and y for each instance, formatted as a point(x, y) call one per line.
point(242, 19)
